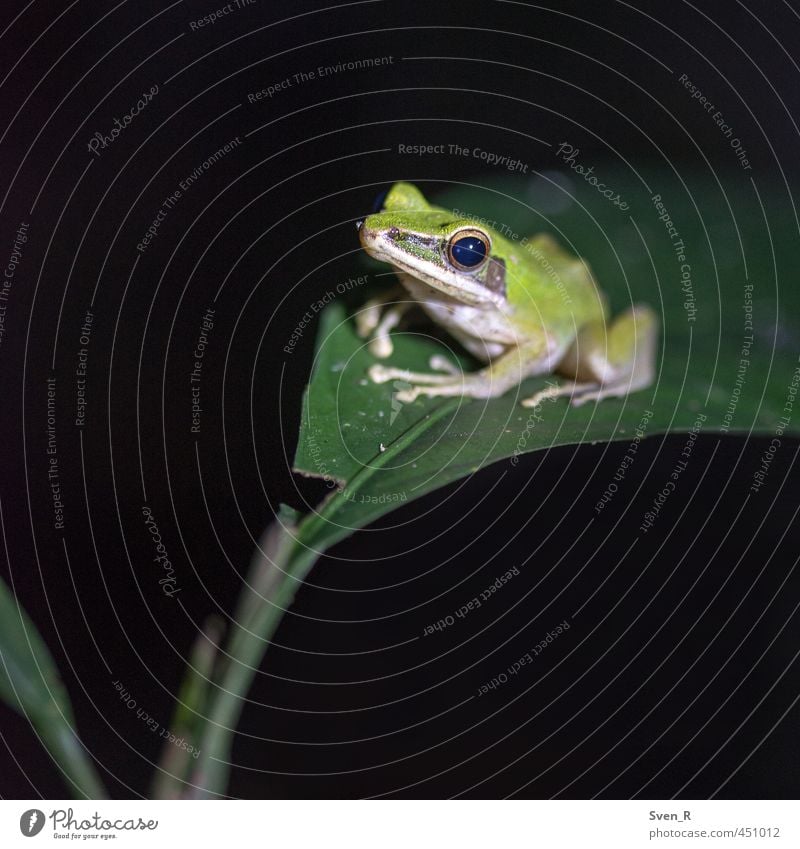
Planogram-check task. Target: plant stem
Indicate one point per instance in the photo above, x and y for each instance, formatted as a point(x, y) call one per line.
point(175, 766)
point(66, 749)
point(276, 574)
point(285, 556)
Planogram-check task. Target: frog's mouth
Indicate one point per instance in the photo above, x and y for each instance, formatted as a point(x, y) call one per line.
point(421, 256)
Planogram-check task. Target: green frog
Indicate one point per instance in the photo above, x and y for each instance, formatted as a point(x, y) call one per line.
point(524, 307)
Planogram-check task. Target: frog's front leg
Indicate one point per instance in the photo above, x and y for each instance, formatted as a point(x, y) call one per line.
point(504, 373)
point(379, 316)
point(381, 344)
point(608, 361)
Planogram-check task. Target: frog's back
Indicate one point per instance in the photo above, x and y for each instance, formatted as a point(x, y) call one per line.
point(560, 284)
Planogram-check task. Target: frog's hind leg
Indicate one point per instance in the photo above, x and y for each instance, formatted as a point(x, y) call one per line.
point(558, 391)
point(608, 361)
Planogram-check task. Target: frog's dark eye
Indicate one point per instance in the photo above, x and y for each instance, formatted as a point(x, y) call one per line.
point(377, 204)
point(468, 249)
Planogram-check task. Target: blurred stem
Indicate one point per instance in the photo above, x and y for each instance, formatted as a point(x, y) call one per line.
point(276, 574)
point(68, 752)
point(285, 556)
point(30, 684)
point(176, 761)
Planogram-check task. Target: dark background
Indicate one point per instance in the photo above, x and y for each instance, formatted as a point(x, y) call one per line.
point(679, 674)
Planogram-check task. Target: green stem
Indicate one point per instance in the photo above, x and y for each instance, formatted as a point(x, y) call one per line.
point(276, 578)
point(175, 766)
point(68, 752)
point(284, 558)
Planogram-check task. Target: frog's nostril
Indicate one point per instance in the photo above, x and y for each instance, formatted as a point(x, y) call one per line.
point(365, 234)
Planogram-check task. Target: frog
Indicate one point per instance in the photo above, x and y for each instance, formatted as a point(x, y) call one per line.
point(522, 307)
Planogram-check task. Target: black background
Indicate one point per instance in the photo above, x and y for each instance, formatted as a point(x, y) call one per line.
point(679, 673)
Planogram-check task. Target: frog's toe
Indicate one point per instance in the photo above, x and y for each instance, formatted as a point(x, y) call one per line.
point(379, 374)
point(381, 347)
point(600, 393)
point(366, 322)
point(578, 393)
point(446, 388)
point(439, 363)
point(407, 396)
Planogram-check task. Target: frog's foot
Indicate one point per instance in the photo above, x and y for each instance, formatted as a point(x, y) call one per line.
point(582, 393)
point(381, 345)
point(497, 378)
point(369, 315)
point(608, 362)
point(382, 374)
point(421, 383)
point(554, 391)
point(450, 389)
point(379, 316)
point(439, 363)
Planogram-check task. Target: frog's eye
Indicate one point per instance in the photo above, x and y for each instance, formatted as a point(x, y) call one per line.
point(468, 249)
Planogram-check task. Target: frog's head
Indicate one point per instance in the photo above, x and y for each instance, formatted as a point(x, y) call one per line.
point(449, 253)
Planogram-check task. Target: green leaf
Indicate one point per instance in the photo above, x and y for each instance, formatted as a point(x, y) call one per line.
point(728, 357)
point(30, 684)
point(377, 454)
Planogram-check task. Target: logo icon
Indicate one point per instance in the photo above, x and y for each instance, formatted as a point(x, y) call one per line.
point(397, 404)
point(31, 822)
